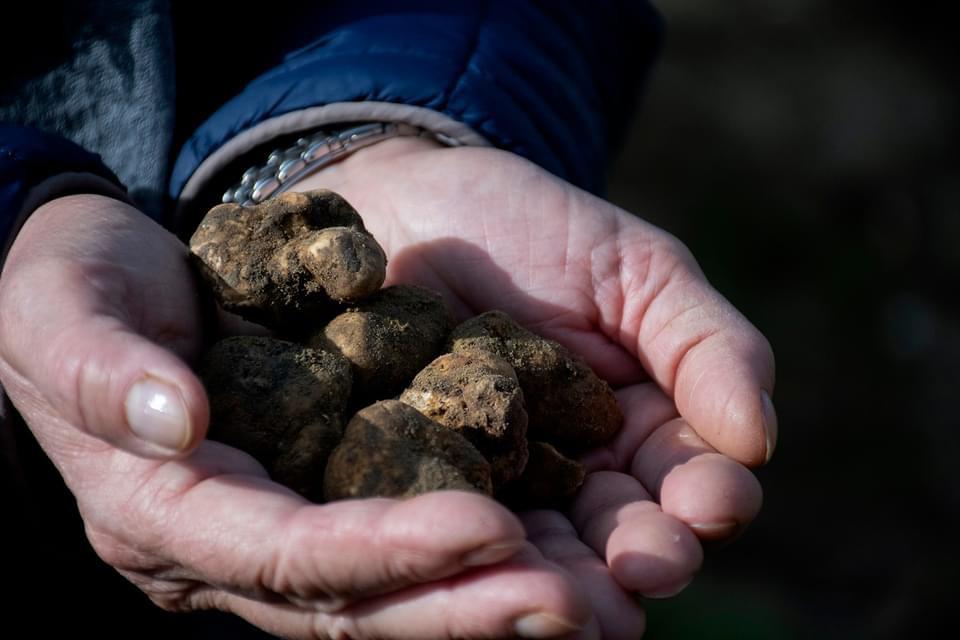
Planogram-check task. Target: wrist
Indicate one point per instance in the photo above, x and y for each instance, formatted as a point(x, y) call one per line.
point(287, 166)
point(351, 169)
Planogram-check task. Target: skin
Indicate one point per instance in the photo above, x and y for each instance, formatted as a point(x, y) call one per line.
point(94, 296)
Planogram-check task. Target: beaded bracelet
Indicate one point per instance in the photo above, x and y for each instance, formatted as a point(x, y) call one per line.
point(285, 167)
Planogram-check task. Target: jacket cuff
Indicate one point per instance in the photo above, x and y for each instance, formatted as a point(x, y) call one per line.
point(552, 82)
point(224, 166)
point(63, 184)
point(36, 167)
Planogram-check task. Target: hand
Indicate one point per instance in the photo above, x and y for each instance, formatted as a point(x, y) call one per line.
point(694, 378)
point(98, 316)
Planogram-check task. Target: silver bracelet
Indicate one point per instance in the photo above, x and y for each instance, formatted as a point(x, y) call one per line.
point(286, 166)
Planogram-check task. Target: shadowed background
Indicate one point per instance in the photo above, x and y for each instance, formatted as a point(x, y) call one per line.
point(806, 151)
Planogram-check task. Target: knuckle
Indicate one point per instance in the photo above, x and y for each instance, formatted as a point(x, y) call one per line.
point(765, 349)
point(71, 378)
point(82, 382)
point(185, 597)
point(165, 584)
point(672, 248)
point(405, 566)
point(291, 566)
point(336, 628)
point(124, 556)
point(111, 550)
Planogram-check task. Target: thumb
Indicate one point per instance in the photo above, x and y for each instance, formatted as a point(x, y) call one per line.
point(126, 390)
point(718, 367)
point(76, 347)
point(104, 379)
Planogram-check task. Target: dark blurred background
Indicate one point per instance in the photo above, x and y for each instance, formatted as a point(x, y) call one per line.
point(807, 153)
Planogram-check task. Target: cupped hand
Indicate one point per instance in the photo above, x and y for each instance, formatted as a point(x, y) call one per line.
point(98, 319)
point(694, 377)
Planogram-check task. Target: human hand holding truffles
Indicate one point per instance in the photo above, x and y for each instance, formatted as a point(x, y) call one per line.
point(488, 230)
point(462, 421)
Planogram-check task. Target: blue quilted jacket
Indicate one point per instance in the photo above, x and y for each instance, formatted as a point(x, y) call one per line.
point(553, 81)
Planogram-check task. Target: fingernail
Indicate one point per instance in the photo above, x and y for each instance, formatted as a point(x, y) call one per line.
point(156, 413)
point(669, 591)
point(491, 554)
point(543, 625)
point(714, 530)
point(769, 423)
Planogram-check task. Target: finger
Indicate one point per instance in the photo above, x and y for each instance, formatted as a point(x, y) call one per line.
point(718, 368)
point(618, 615)
point(99, 375)
point(644, 409)
point(714, 495)
point(648, 551)
point(524, 597)
point(251, 536)
point(78, 290)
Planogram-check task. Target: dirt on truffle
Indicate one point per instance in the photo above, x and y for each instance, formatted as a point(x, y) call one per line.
point(388, 338)
point(304, 266)
point(568, 405)
point(287, 260)
point(390, 449)
point(477, 394)
point(281, 402)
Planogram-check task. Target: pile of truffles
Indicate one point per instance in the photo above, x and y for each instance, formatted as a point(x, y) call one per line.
point(371, 391)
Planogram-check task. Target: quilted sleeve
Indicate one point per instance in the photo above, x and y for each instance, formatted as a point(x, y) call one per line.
point(553, 81)
point(36, 167)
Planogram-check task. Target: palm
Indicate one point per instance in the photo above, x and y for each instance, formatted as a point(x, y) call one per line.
point(509, 245)
point(94, 297)
point(490, 230)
